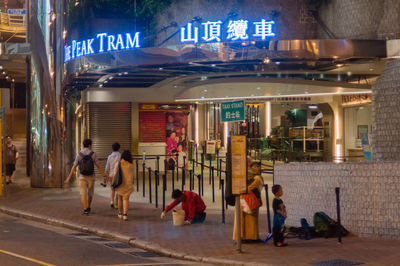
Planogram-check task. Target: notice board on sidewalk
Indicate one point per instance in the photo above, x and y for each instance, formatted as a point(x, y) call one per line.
point(238, 164)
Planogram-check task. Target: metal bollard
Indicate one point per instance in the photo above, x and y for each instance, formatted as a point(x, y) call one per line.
point(177, 168)
point(223, 201)
point(173, 179)
point(209, 178)
point(156, 186)
point(137, 175)
point(150, 184)
point(337, 191)
point(144, 179)
point(164, 189)
point(212, 185)
point(198, 177)
point(202, 180)
point(268, 211)
point(183, 178)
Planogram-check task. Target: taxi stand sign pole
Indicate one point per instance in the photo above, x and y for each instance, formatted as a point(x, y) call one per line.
point(236, 161)
point(238, 173)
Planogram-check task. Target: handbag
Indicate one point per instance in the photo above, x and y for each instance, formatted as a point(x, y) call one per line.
point(250, 202)
point(118, 177)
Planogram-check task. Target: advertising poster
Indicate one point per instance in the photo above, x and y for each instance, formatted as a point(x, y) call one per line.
point(176, 134)
point(366, 147)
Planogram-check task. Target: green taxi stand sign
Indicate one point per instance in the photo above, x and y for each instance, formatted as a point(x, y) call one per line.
point(232, 111)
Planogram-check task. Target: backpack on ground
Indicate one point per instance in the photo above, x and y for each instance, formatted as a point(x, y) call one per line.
point(325, 226)
point(86, 164)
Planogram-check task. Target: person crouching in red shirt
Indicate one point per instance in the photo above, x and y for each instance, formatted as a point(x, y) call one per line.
point(192, 204)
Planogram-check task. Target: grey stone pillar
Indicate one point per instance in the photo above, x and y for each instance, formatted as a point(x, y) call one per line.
point(386, 114)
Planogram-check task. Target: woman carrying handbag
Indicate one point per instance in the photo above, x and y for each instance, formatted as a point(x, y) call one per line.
point(126, 170)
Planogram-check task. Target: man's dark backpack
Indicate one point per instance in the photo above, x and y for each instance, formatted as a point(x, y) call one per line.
point(86, 164)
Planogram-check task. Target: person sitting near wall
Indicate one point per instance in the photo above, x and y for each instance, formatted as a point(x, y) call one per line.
point(192, 204)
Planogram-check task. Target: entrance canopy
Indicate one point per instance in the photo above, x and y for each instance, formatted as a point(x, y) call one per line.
point(228, 70)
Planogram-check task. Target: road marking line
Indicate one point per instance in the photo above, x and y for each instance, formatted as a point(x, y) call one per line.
point(25, 258)
point(155, 263)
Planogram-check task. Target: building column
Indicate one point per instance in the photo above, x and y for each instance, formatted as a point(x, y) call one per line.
point(385, 142)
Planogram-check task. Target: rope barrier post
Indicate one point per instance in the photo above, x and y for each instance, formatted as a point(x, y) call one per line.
point(165, 171)
point(212, 177)
point(202, 175)
point(337, 191)
point(156, 186)
point(223, 201)
point(193, 166)
point(144, 179)
point(173, 179)
point(183, 178)
point(177, 168)
point(268, 210)
point(190, 180)
point(195, 146)
point(209, 178)
point(164, 189)
point(198, 177)
point(158, 163)
point(137, 175)
point(150, 185)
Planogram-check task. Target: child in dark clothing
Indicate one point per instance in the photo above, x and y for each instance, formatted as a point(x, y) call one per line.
point(278, 227)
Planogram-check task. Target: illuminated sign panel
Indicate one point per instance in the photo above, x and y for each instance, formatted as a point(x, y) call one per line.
point(103, 42)
point(236, 30)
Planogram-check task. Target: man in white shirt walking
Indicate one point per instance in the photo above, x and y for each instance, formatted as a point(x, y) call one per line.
point(112, 160)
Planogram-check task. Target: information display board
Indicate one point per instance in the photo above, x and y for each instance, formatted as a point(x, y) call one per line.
point(239, 164)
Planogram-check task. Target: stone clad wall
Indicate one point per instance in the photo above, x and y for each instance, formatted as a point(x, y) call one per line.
point(370, 197)
point(386, 114)
point(361, 19)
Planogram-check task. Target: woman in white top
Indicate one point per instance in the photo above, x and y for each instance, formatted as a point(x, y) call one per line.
point(126, 188)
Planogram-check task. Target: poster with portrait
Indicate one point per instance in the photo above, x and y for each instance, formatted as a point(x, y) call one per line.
point(177, 142)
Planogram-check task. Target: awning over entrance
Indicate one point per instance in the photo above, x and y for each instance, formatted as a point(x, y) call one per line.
point(269, 69)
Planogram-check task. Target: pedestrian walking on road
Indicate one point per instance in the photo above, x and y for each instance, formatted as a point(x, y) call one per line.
point(112, 160)
point(249, 220)
point(86, 159)
point(192, 204)
point(11, 158)
point(126, 188)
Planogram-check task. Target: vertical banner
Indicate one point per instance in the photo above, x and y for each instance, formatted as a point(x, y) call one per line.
point(366, 147)
point(238, 164)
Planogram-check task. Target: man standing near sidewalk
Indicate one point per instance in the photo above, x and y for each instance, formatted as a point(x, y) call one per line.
point(11, 159)
point(86, 159)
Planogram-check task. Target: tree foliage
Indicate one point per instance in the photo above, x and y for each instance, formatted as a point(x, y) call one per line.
point(142, 11)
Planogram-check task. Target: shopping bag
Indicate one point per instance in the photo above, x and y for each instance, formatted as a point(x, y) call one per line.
point(250, 202)
point(118, 177)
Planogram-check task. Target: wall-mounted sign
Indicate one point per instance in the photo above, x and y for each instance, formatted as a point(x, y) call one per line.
point(235, 30)
point(164, 107)
point(232, 111)
point(103, 42)
point(356, 99)
point(210, 147)
point(16, 11)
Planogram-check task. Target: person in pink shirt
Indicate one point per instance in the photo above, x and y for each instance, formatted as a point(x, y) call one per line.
point(192, 204)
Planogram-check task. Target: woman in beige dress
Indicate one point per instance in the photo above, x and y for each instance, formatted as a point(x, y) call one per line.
point(126, 188)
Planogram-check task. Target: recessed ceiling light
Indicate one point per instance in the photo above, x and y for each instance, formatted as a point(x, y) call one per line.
point(339, 65)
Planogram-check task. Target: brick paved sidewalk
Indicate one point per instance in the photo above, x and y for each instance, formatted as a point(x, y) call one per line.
point(209, 242)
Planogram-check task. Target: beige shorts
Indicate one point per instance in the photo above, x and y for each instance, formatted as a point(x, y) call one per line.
point(86, 185)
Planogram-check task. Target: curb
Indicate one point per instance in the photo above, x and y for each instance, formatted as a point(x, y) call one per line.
point(152, 247)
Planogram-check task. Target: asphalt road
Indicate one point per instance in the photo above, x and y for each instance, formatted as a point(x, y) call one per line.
point(25, 242)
